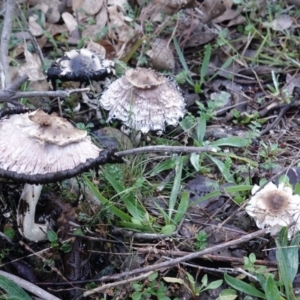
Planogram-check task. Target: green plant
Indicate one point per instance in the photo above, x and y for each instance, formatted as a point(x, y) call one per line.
point(137, 217)
point(276, 92)
point(55, 244)
point(151, 287)
point(190, 283)
point(195, 128)
point(201, 240)
point(271, 289)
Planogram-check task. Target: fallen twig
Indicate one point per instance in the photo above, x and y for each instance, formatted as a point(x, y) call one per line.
point(109, 285)
point(173, 262)
point(10, 93)
point(172, 149)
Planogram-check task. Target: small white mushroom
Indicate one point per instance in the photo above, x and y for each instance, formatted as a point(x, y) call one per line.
point(144, 100)
point(40, 148)
point(275, 207)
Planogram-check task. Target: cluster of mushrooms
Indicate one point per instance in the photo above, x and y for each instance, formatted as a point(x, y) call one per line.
point(37, 148)
point(47, 148)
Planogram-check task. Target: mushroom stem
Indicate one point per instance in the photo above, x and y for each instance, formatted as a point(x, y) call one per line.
point(26, 213)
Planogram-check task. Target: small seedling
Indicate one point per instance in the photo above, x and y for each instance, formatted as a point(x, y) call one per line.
point(201, 240)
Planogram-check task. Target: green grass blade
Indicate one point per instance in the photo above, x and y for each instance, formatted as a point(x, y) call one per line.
point(12, 289)
point(176, 186)
point(243, 287)
point(116, 211)
point(232, 141)
point(228, 190)
point(131, 204)
point(183, 62)
point(200, 129)
point(182, 207)
point(205, 63)
point(271, 291)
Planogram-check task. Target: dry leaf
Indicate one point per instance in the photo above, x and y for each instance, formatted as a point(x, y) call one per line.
point(53, 13)
point(97, 48)
point(54, 29)
point(32, 67)
point(228, 14)
point(70, 21)
point(162, 57)
point(102, 17)
point(76, 4)
point(34, 27)
point(119, 30)
point(92, 7)
point(212, 9)
point(283, 22)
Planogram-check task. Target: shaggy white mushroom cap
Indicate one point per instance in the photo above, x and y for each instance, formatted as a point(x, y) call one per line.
point(144, 100)
point(275, 207)
point(38, 143)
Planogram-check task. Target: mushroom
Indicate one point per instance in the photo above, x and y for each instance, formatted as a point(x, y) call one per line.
point(275, 207)
point(144, 100)
point(80, 65)
point(37, 148)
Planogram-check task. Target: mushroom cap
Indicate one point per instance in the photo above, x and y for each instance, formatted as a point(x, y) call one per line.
point(274, 207)
point(144, 100)
point(81, 65)
point(39, 148)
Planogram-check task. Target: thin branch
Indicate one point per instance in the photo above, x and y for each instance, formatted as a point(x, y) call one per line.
point(171, 149)
point(5, 36)
point(172, 262)
point(30, 287)
point(60, 93)
point(109, 285)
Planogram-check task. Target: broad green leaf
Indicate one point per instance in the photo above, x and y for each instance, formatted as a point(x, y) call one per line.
point(297, 188)
point(231, 142)
point(287, 257)
point(52, 236)
point(173, 280)
point(12, 289)
point(153, 276)
point(243, 287)
point(227, 294)
point(214, 285)
point(137, 295)
point(271, 291)
point(182, 207)
point(168, 229)
point(116, 211)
